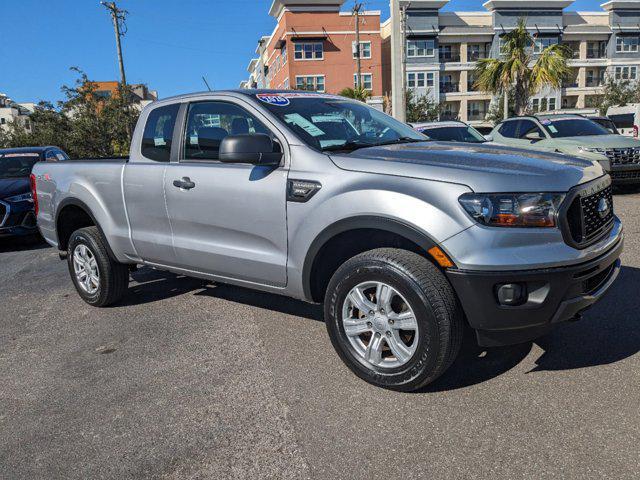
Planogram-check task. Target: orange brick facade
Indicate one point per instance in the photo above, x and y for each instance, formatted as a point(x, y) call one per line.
point(335, 31)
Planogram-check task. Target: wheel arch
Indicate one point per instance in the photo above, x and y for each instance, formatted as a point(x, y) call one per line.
point(380, 232)
point(71, 214)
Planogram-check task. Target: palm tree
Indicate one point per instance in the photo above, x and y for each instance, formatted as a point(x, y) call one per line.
point(518, 70)
point(357, 93)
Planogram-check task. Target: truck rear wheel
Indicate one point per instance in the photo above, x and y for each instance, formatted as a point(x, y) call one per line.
point(99, 280)
point(393, 318)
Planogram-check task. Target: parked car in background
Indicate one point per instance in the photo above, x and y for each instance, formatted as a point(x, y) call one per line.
point(607, 123)
point(450, 131)
point(484, 130)
point(17, 215)
point(577, 136)
point(404, 240)
point(626, 119)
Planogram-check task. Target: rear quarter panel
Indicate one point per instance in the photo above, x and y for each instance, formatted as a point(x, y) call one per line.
point(94, 185)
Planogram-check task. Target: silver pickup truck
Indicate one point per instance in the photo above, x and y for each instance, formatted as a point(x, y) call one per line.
point(324, 199)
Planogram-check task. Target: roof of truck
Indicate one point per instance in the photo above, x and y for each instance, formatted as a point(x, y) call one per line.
point(4, 151)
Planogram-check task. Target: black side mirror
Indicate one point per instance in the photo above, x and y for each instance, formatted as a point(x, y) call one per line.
point(253, 148)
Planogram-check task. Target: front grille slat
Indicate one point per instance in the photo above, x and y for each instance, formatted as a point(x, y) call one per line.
point(585, 222)
point(624, 156)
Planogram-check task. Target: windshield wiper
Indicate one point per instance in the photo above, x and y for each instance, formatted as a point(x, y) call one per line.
point(347, 146)
point(402, 140)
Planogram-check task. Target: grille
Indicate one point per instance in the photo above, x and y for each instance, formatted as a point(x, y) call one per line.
point(625, 175)
point(592, 284)
point(624, 156)
point(587, 223)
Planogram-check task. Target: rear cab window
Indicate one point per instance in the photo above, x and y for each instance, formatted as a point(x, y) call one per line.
point(158, 133)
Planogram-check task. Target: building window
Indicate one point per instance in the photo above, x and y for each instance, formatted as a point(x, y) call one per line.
point(626, 73)
point(313, 83)
point(309, 51)
point(539, 44)
point(3, 121)
point(476, 51)
point(365, 50)
point(626, 44)
point(283, 56)
point(419, 79)
point(535, 104)
point(285, 84)
point(420, 48)
point(366, 79)
point(552, 104)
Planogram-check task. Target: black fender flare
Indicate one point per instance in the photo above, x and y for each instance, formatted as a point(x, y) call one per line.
point(354, 223)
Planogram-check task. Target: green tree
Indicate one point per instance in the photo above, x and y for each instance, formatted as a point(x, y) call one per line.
point(84, 124)
point(518, 71)
point(357, 93)
point(421, 108)
point(617, 93)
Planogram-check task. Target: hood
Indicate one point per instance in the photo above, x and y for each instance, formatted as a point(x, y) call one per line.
point(483, 168)
point(601, 141)
point(14, 186)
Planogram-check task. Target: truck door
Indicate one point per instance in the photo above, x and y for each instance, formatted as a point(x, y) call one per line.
point(143, 186)
point(228, 220)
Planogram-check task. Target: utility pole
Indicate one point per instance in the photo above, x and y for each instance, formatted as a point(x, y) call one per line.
point(118, 16)
point(358, 50)
point(403, 21)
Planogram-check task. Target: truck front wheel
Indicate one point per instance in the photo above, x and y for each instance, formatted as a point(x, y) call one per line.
point(99, 280)
point(393, 318)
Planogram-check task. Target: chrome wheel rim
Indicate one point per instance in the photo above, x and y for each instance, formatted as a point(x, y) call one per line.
point(85, 267)
point(380, 325)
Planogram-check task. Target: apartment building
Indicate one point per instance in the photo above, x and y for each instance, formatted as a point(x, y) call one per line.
point(442, 47)
point(313, 48)
point(14, 113)
point(141, 95)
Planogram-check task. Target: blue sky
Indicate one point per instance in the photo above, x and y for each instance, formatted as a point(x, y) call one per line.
point(170, 43)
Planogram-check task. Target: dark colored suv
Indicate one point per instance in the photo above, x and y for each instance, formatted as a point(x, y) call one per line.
point(17, 215)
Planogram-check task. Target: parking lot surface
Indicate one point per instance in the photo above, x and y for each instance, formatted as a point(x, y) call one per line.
point(187, 379)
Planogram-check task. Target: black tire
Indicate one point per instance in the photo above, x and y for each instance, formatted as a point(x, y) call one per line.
point(434, 303)
point(114, 276)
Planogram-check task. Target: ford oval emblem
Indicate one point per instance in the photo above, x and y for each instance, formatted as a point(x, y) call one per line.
point(603, 208)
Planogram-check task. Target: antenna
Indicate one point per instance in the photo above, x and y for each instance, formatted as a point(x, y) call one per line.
point(206, 83)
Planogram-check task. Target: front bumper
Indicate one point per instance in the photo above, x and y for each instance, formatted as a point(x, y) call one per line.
point(625, 174)
point(17, 219)
point(554, 295)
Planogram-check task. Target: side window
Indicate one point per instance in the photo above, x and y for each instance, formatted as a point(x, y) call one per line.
point(50, 156)
point(208, 123)
point(158, 132)
point(529, 130)
point(508, 129)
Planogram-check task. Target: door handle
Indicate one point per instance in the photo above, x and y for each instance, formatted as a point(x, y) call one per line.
point(184, 184)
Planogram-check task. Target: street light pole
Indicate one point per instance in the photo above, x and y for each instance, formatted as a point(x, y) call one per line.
point(358, 51)
point(118, 17)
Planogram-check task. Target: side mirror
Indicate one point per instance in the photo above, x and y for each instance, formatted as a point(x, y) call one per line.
point(252, 148)
point(533, 136)
point(488, 138)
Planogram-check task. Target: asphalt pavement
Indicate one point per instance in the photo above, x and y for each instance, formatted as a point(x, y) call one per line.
point(188, 379)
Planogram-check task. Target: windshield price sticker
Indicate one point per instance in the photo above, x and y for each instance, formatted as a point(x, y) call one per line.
point(277, 100)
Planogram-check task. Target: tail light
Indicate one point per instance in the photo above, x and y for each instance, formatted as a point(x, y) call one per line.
point(635, 131)
point(34, 193)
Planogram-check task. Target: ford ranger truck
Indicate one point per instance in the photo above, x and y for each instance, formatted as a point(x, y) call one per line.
point(406, 242)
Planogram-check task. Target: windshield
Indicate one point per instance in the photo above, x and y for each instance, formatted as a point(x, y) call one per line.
point(573, 127)
point(16, 165)
point(329, 123)
point(460, 133)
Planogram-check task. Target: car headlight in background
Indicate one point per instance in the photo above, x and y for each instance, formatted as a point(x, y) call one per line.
point(24, 197)
point(593, 150)
point(513, 210)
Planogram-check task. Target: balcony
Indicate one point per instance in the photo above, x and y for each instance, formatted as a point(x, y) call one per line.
point(448, 57)
point(475, 56)
point(449, 87)
point(595, 82)
point(570, 84)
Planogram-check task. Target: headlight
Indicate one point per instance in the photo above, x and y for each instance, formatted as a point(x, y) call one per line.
point(24, 197)
point(593, 150)
point(513, 209)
